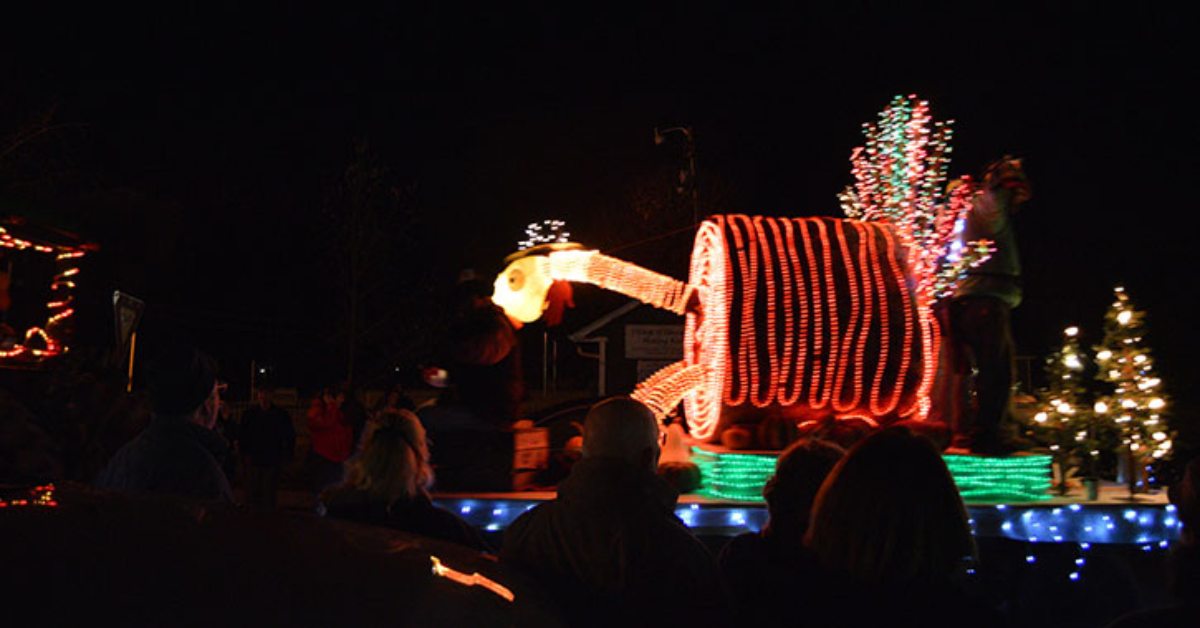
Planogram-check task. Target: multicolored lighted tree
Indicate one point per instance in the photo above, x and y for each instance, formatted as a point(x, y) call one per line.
point(1136, 404)
point(900, 177)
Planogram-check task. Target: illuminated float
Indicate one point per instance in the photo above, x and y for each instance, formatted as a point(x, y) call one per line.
point(799, 319)
point(823, 320)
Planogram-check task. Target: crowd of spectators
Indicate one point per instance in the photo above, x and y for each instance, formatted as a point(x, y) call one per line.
point(860, 537)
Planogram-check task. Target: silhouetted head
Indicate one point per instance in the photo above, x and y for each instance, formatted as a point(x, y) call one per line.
point(799, 473)
point(889, 513)
point(622, 428)
point(394, 463)
point(1008, 173)
point(183, 383)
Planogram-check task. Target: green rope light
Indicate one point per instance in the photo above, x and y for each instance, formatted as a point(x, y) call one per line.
point(1012, 479)
point(740, 477)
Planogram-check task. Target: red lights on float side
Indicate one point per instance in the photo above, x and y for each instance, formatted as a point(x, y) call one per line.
point(59, 307)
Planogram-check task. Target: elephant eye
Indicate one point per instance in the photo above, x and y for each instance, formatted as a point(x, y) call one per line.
point(516, 280)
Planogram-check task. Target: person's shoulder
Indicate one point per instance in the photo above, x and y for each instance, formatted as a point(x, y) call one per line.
point(531, 515)
point(668, 535)
point(525, 524)
point(455, 528)
point(743, 548)
point(342, 502)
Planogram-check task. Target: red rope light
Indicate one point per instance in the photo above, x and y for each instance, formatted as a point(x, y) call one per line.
point(663, 390)
point(768, 296)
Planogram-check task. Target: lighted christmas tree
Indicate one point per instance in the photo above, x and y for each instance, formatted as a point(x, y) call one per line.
point(1064, 423)
point(1137, 404)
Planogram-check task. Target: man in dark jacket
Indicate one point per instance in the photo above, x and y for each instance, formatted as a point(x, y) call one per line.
point(268, 440)
point(610, 548)
point(178, 453)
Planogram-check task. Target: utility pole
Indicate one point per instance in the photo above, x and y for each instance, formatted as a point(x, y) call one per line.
point(689, 175)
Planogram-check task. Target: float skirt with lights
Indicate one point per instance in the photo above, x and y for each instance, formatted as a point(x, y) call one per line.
point(1005, 497)
point(1150, 523)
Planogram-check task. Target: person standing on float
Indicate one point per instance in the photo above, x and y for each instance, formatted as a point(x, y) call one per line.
point(977, 320)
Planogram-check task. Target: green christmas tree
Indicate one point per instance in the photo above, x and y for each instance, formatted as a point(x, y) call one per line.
point(1063, 423)
point(1137, 404)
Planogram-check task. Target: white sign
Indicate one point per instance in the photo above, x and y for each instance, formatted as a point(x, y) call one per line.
point(654, 342)
point(531, 449)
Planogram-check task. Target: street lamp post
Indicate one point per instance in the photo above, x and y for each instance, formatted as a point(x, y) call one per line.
point(690, 148)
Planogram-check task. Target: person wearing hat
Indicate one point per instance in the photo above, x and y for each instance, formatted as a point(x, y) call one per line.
point(178, 453)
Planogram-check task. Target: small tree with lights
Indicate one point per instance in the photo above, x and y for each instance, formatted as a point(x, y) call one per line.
point(1136, 404)
point(1064, 422)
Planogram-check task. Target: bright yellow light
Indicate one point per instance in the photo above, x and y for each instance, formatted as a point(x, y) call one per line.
point(1100, 407)
point(1072, 361)
point(1071, 332)
point(1160, 436)
point(1124, 317)
point(1139, 359)
point(521, 289)
point(1104, 355)
point(1157, 404)
point(1040, 417)
point(1128, 403)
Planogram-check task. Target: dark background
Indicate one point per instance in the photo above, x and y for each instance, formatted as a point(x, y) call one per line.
point(207, 151)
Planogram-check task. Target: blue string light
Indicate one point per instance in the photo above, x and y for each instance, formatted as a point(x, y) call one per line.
point(1143, 525)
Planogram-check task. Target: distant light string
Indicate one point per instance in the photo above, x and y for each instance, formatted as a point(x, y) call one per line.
point(59, 308)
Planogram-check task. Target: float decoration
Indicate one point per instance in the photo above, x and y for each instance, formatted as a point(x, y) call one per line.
point(799, 319)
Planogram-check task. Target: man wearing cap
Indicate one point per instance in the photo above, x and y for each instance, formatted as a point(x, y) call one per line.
point(178, 453)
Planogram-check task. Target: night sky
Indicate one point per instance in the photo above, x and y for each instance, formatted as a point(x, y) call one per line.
point(199, 147)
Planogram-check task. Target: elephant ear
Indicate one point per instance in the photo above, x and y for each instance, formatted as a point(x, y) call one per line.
point(558, 300)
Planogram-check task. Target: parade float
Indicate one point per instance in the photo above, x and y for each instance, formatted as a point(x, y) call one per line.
point(814, 322)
